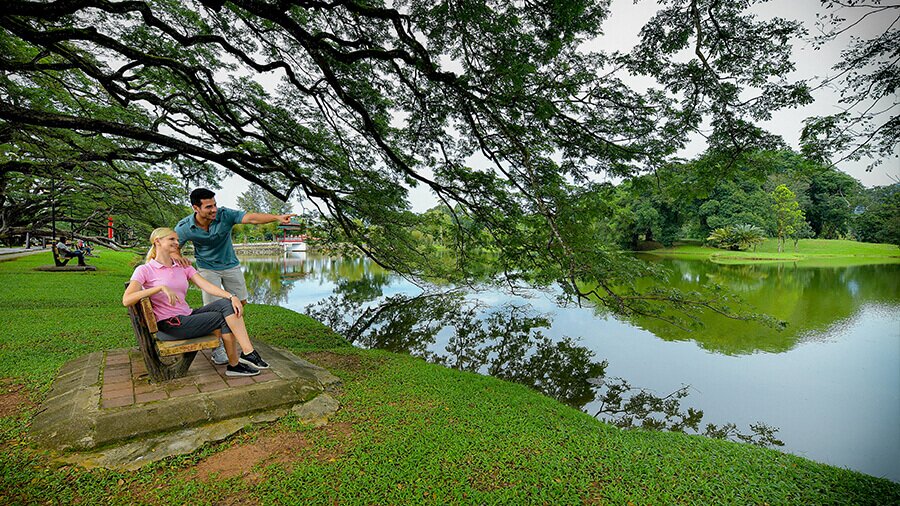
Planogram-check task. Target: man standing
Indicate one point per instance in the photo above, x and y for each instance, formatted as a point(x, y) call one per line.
point(209, 228)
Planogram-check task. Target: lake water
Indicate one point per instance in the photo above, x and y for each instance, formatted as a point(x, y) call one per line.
point(830, 382)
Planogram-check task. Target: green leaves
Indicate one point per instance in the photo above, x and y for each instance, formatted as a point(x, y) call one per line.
point(498, 110)
point(737, 238)
point(723, 63)
point(788, 214)
point(867, 75)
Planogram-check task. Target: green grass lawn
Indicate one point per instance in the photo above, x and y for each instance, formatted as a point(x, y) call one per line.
point(811, 252)
point(408, 432)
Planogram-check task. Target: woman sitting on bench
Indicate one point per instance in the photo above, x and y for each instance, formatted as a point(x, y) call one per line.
point(166, 283)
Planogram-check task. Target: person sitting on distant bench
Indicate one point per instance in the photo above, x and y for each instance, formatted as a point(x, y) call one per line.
point(86, 248)
point(68, 252)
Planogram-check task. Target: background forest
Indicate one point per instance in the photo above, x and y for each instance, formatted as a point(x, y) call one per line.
point(691, 200)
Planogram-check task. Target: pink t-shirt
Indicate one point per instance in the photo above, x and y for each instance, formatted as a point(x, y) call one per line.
point(176, 277)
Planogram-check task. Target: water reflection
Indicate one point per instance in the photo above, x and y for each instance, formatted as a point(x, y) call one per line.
point(810, 300)
point(507, 342)
point(270, 280)
point(830, 381)
point(265, 281)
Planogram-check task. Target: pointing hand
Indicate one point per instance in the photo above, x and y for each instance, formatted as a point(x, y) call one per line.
point(285, 219)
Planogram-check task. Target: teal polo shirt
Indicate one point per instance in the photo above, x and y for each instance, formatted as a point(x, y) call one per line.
point(213, 249)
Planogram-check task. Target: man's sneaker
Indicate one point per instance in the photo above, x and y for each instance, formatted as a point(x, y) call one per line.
point(253, 359)
point(241, 370)
point(219, 357)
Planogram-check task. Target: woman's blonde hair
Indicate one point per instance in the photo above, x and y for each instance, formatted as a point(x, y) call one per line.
point(157, 234)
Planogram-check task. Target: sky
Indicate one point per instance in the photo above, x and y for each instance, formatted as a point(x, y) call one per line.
point(621, 32)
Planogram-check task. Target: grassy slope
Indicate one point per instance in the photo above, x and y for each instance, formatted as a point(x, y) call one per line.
point(811, 252)
point(408, 431)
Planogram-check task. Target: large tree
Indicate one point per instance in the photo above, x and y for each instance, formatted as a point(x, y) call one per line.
point(497, 108)
point(78, 200)
point(880, 220)
point(833, 197)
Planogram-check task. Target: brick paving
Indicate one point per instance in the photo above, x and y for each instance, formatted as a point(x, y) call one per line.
point(126, 382)
point(106, 397)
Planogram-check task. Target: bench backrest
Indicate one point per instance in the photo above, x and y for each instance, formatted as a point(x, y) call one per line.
point(149, 316)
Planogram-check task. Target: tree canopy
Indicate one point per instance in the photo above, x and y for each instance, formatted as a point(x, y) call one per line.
point(498, 108)
point(78, 199)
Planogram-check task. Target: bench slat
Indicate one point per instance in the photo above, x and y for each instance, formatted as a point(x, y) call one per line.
point(149, 317)
point(169, 348)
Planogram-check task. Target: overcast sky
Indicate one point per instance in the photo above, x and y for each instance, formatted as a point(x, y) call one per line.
point(621, 32)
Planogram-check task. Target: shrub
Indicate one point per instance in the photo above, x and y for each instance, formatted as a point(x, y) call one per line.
point(735, 238)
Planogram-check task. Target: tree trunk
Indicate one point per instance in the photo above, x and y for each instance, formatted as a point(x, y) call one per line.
point(99, 239)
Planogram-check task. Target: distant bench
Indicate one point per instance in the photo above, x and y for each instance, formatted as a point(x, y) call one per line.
point(60, 262)
point(165, 360)
point(58, 259)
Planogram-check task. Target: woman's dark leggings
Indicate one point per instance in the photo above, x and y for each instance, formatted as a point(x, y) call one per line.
point(202, 321)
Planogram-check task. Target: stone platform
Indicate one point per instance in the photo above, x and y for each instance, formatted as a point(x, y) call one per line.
point(66, 268)
point(106, 397)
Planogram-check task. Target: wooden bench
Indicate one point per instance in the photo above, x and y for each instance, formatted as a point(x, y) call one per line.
point(165, 360)
point(58, 259)
point(60, 262)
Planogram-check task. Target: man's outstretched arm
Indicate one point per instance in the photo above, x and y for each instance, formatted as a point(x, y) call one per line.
point(262, 218)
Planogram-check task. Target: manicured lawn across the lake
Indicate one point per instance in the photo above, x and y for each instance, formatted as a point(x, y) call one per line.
point(408, 432)
point(811, 252)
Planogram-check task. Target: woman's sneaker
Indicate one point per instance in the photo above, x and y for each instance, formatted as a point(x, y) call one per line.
point(254, 360)
point(241, 369)
point(219, 357)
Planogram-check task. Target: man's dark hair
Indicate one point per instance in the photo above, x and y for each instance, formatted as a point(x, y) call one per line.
point(200, 194)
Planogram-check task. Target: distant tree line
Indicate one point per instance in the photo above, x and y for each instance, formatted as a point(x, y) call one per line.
point(728, 202)
point(780, 193)
point(257, 200)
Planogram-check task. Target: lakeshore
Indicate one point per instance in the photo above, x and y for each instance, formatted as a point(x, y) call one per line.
point(408, 432)
point(809, 252)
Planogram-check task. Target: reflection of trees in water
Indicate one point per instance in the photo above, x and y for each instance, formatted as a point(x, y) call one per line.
point(810, 299)
point(338, 269)
point(269, 280)
point(399, 323)
point(507, 342)
point(264, 283)
point(366, 288)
